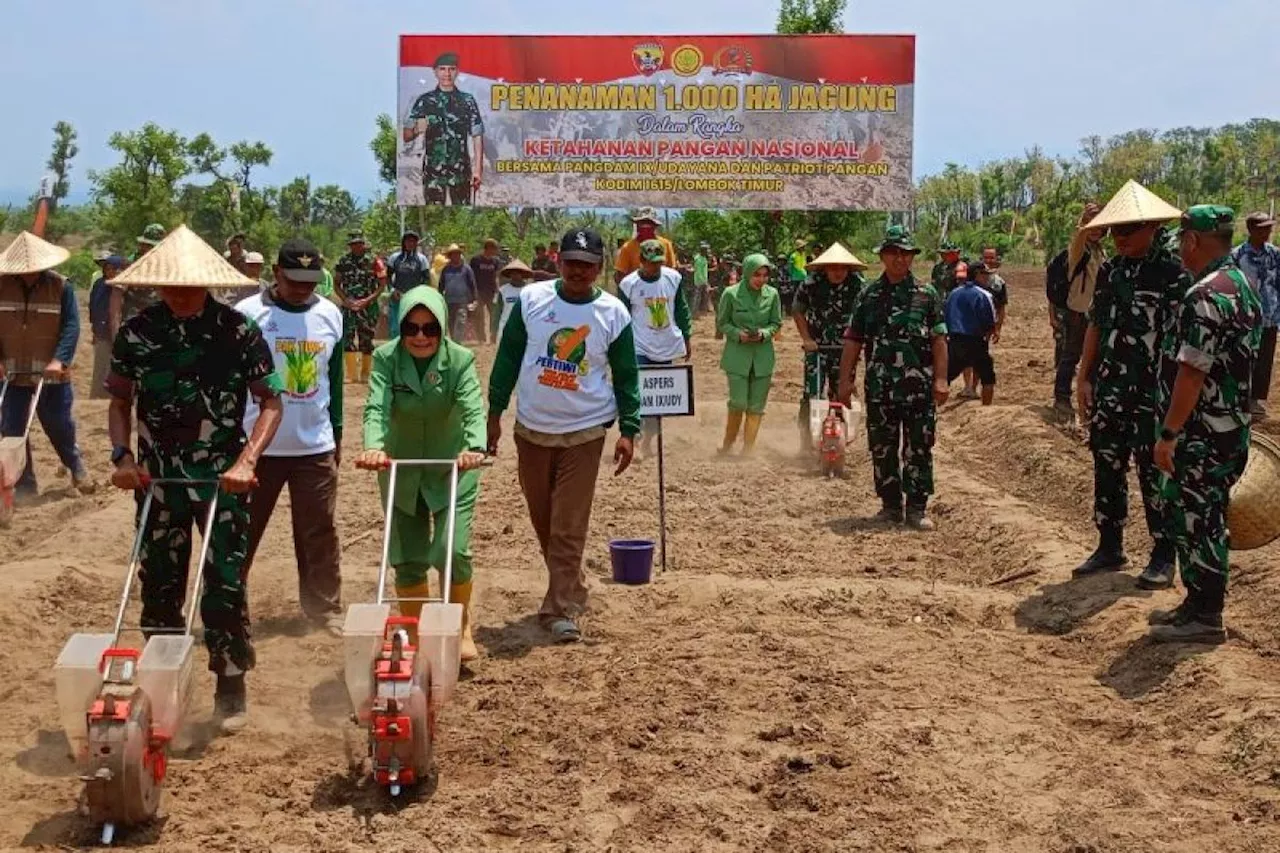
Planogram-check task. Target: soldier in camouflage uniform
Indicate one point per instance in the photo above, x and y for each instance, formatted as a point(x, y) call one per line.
point(1205, 379)
point(821, 310)
point(453, 144)
point(355, 278)
point(943, 276)
point(137, 298)
point(899, 320)
point(1135, 303)
point(190, 363)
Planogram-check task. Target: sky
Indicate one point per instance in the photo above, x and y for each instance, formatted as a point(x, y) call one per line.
point(308, 77)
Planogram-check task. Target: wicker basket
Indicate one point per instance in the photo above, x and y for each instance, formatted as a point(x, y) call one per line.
point(1253, 515)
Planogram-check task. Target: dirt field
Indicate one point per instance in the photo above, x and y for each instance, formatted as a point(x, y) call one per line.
point(798, 680)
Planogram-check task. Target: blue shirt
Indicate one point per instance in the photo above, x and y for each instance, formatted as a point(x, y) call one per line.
point(970, 311)
point(1262, 267)
point(99, 307)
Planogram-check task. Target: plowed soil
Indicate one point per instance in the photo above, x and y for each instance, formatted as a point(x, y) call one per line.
point(799, 678)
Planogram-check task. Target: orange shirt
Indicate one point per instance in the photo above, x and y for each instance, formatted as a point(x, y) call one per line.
point(628, 260)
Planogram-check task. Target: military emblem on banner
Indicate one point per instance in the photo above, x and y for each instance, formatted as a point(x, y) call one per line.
point(648, 58)
point(686, 60)
point(732, 60)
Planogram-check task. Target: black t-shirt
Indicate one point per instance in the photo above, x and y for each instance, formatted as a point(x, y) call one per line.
point(486, 270)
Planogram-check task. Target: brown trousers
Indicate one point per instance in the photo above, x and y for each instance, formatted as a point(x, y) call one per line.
point(559, 484)
point(313, 494)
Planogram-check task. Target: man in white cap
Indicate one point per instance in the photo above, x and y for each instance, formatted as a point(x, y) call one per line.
point(190, 363)
point(1133, 306)
point(821, 310)
point(646, 224)
point(251, 264)
point(39, 330)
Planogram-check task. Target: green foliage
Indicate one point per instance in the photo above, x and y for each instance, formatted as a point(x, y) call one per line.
point(383, 146)
point(143, 187)
point(80, 269)
point(804, 17)
point(64, 151)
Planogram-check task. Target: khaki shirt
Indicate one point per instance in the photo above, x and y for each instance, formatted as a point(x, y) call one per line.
point(1080, 295)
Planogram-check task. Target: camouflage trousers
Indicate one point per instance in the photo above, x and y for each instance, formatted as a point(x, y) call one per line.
point(1116, 438)
point(453, 195)
point(819, 385)
point(1205, 469)
point(358, 328)
point(166, 559)
point(906, 431)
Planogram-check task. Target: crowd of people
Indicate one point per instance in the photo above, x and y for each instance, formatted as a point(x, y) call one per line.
point(236, 378)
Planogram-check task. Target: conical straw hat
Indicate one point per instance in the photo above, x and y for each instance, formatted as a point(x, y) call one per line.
point(517, 266)
point(1253, 513)
point(1133, 203)
point(837, 256)
point(28, 254)
point(182, 260)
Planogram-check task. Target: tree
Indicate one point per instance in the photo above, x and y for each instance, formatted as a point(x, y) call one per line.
point(295, 203)
point(383, 146)
point(143, 187)
point(804, 17)
point(64, 151)
point(333, 207)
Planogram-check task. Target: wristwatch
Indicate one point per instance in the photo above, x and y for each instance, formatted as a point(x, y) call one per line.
point(118, 453)
point(1167, 434)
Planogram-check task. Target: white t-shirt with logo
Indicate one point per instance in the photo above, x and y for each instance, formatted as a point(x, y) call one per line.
point(653, 314)
point(302, 343)
point(564, 383)
point(510, 295)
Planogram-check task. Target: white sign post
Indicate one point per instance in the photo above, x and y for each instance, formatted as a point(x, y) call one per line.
point(666, 391)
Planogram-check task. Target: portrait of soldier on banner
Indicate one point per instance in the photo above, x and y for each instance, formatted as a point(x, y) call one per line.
point(445, 133)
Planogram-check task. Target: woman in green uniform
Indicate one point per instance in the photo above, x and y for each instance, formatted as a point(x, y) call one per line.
point(749, 315)
point(425, 403)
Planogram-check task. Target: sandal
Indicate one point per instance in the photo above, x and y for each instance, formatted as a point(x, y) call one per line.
point(565, 630)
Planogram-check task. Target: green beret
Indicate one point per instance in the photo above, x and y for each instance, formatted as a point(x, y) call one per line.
point(450, 59)
point(1209, 218)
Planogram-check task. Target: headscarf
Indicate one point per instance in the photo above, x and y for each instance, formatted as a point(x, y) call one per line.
point(746, 295)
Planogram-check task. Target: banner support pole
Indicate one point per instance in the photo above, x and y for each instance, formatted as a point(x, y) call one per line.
point(662, 498)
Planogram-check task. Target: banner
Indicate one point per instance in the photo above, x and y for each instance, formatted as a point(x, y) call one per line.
point(750, 122)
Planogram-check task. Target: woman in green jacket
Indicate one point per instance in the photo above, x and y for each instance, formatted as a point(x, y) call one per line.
point(749, 315)
point(424, 402)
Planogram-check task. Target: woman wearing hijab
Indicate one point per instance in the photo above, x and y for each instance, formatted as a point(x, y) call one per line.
point(424, 403)
point(749, 315)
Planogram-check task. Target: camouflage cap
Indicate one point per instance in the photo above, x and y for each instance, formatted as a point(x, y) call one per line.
point(1209, 219)
point(152, 234)
point(898, 237)
point(646, 214)
point(948, 246)
point(652, 250)
point(448, 59)
point(354, 237)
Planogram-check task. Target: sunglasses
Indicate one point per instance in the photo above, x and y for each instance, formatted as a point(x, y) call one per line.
point(1129, 229)
point(412, 330)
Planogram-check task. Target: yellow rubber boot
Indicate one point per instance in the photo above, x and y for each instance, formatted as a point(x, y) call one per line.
point(366, 367)
point(413, 608)
point(461, 594)
point(351, 366)
point(752, 432)
point(731, 427)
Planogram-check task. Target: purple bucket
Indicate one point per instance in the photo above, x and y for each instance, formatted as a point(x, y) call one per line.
point(632, 560)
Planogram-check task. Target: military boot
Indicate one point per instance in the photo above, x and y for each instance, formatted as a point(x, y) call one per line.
point(1159, 571)
point(1108, 557)
point(231, 704)
point(890, 512)
point(1190, 623)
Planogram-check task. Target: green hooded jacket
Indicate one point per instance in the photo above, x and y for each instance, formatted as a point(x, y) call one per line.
point(435, 415)
point(744, 309)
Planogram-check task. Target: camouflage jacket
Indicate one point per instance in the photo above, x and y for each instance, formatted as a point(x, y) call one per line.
point(998, 289)
point(897, 324)
point(1217, 331)
point(191, 379)
point(827, 307)
point(453, 119)
point(944, 276)
point(358, 280)
point(1135, 304)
